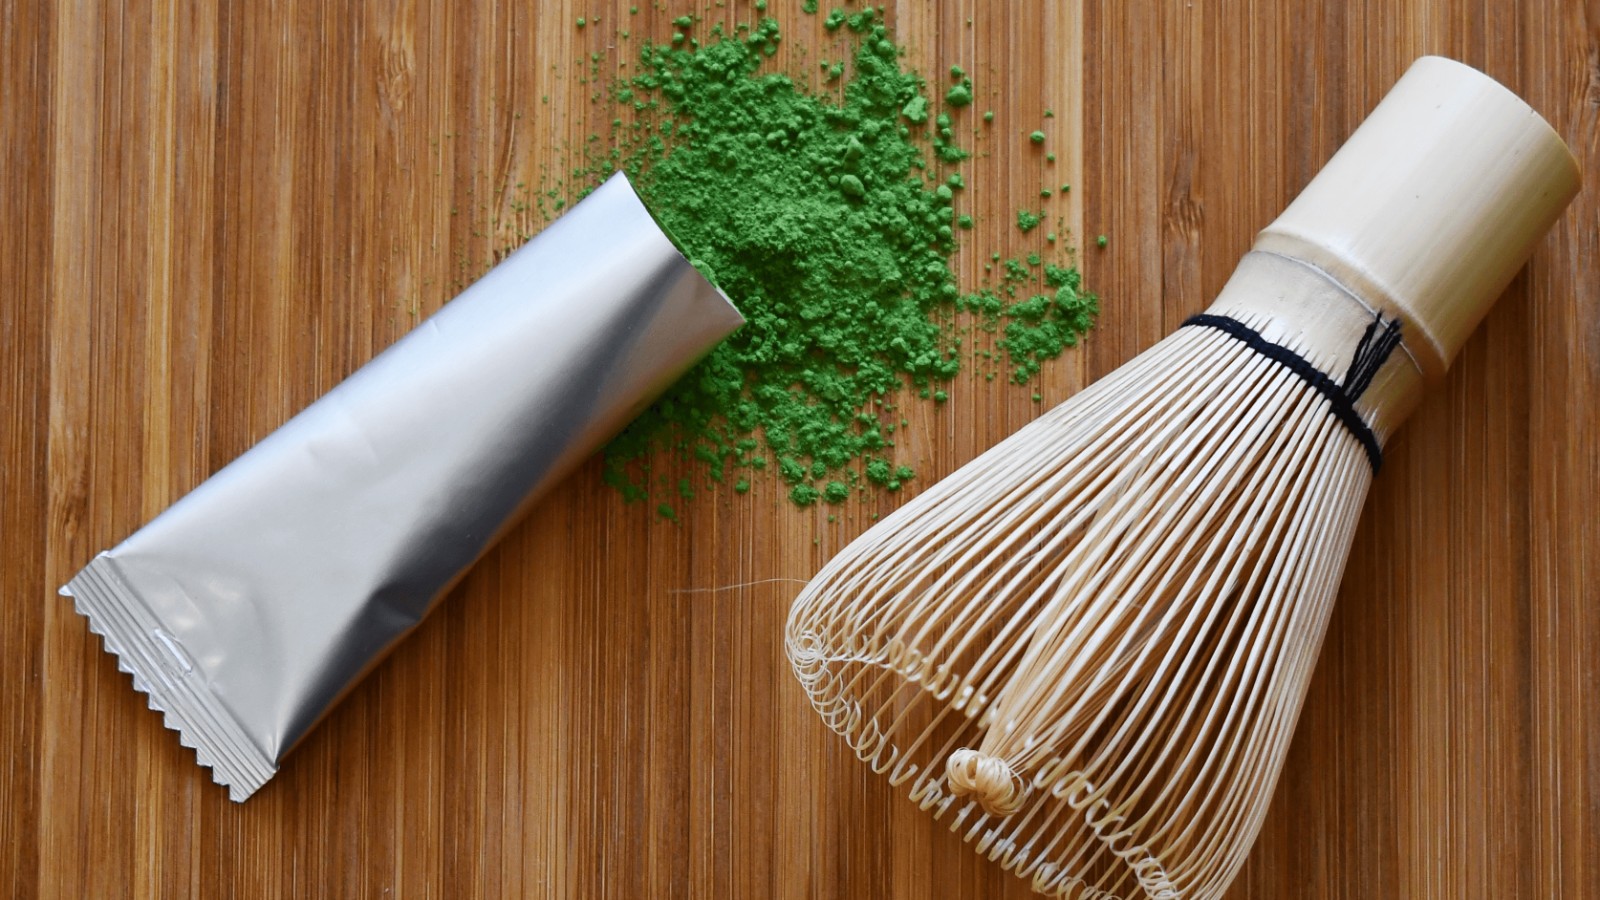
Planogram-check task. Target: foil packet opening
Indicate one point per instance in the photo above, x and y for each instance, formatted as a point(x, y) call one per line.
point(252, 605)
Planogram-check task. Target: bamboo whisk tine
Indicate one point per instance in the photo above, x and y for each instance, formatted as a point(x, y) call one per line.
point(1087, 649)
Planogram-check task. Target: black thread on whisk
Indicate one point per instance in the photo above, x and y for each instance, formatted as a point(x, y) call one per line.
point(1374, 348)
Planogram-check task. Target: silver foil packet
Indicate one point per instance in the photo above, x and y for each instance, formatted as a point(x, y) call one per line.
point(248, 608)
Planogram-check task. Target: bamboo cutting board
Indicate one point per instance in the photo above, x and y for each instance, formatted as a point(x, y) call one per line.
point(217, 211)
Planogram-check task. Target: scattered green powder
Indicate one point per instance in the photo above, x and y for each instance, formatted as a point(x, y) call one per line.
point(988, 116)
point(1044, 324)
point(1037, 137)
point(1101, 240)
point(916, 110)
point(826, 219)
point(582, 21)
point(1039, 325)
point(1027, 221)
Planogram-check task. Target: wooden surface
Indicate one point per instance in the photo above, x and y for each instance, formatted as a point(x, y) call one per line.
point(215, 211)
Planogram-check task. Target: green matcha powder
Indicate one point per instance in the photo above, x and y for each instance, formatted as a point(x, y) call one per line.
point(824, 216)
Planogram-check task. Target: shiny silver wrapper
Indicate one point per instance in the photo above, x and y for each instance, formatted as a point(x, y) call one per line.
point(248, 608)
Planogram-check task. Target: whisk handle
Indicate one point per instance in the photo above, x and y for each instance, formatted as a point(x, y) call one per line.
point(1432, 206)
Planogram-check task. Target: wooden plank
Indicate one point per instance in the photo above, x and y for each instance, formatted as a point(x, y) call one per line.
point(25, 102)
point(223, 209)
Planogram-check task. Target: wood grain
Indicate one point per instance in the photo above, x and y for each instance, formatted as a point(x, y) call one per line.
point(217, 211)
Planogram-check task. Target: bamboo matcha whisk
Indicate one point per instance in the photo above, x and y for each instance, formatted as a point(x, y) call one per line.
point(1086, 650)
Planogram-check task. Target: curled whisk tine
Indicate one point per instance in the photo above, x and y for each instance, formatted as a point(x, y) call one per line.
point(989, 780)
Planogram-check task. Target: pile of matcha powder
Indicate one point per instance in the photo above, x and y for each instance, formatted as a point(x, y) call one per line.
point(828, 215)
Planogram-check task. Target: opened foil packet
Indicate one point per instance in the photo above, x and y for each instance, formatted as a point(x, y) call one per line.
point(251, 606)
